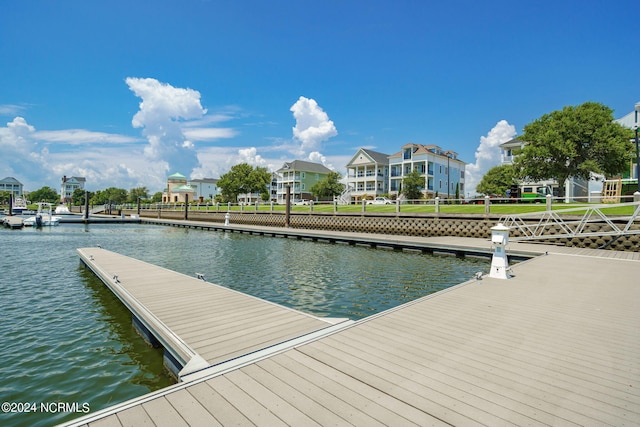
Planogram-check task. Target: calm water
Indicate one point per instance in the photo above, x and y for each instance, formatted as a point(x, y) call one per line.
point(65, 338)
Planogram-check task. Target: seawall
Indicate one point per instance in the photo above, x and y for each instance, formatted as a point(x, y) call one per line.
point(404, 224)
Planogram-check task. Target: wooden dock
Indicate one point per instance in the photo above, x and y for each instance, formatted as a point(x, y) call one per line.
point(198, 323)
point(12, 221)
point(557, 344)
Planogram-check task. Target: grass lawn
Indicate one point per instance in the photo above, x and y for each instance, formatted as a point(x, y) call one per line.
point(499, 209)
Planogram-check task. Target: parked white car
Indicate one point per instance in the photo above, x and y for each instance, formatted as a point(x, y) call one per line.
point(300, 202)
point(380, 201)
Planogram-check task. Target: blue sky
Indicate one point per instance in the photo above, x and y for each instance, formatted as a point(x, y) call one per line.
point(125, 93)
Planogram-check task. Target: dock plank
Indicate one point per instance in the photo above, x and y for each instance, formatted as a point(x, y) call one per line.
point(183, 307)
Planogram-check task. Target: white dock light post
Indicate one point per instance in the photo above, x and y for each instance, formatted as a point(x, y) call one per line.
point(226, 218)
point(499, 262)
point(637, 193)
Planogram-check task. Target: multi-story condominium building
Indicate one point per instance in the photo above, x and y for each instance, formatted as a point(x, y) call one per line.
point(11, 185)
point(300, 176)
point(69, 185)
point(442, 170)
point(367, 175)
point(272, 190)
point(273, 187)
point(205, 188)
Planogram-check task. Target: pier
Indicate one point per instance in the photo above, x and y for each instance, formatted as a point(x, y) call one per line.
point(556, 344)
point(199, 324)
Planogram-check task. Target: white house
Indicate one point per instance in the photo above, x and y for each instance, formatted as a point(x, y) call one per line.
point(69, 185)
point(11, 185)
point(367, 175)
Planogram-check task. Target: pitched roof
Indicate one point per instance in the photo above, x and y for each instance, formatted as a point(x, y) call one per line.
point(301, 165)
point(512, 142)
point(377, 156)
point(10, 180)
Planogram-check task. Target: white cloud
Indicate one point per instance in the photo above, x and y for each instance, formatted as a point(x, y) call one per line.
point(318, 157)
point(251, 156)
point(162, 110)
point(81, 136)
point(16, 135)
point(487, 154)
point(10, 109)
point(208, 134)
point(312, 125)
point(19, 150)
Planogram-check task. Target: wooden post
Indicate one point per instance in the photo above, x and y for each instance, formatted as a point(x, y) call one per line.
point(186, 207)
point(10, 204)
point(86, 206)
point(287, 208)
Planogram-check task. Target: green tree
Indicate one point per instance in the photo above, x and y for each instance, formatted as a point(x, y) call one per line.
point(497, 180)
point(412, 185)
point(44, 194)
point(77, 198)
point(157, 197)
point(244, 179)
point(134, 193)
point(4, 197)
point(572, 142)
point(110, 195)
point(328, 187)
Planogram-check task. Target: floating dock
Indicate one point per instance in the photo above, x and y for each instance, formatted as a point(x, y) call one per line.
point(199, 324)
point(556, 344)
point(12, 221)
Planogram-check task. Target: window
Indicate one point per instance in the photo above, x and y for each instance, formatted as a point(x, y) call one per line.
point(302, 174)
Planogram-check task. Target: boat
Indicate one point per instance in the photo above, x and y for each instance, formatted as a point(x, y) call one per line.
point(62, 210)
point(43, 217)
point(19, 206)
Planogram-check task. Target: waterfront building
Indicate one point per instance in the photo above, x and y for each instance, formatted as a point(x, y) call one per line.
point(205, 188)
point(273, 187)
point(178, 190)
point(69, 185)
point(574, 188)
point(11, 185)
point(443, 172)
point(631, 121)
point(300, 176)
point(367, 175)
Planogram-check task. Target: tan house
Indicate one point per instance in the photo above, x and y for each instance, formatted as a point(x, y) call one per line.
point(178, 191)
